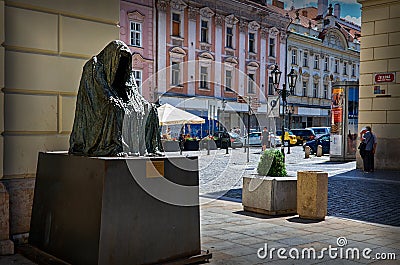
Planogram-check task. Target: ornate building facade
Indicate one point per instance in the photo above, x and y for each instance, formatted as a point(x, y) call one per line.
point(137, 30)
point(211, 52)
point(322, 49)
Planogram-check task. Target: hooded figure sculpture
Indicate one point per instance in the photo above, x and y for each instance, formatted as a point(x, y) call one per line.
point(111, 117)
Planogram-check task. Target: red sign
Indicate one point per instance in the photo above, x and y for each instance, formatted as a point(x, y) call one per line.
point(386, 77)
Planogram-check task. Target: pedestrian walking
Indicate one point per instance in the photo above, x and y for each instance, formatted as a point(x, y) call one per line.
point(370, 148)
point(264, 138)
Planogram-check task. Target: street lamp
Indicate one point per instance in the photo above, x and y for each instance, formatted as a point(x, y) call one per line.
point(284, 93)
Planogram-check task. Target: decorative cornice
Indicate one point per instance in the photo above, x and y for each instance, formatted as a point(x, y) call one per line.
point(264, 32)
point(206, 12)
point(162, 5)
point(254, 26)
point(273, 32)
point(192, 12)
point(219, 20)
point(243, 24)
point(283, 37)
point(231, 20)
point(136, 16)
point(177, 5)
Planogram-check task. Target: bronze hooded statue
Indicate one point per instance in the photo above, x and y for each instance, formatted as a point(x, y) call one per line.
point(111, 117)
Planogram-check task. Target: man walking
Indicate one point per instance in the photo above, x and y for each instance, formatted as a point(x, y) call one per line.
point(370, 139)
point(264, 138)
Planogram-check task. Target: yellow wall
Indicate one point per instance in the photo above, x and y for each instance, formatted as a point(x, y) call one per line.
point(380, 53)
point(45, 44)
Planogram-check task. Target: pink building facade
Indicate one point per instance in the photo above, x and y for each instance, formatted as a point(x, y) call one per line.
point(137, 30)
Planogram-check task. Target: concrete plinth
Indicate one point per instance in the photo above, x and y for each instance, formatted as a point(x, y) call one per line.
point(268, 195)
point(312, 194)
point(6, 245)
point(102, 210)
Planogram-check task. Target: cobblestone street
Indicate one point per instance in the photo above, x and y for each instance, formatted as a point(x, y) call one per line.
point(372, 197)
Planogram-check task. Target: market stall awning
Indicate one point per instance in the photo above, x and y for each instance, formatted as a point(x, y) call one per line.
point(169, 115)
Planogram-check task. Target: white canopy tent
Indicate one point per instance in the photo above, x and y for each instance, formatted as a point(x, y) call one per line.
point(169, 115)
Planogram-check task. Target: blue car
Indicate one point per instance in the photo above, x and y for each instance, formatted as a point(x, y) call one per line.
point(323, 140)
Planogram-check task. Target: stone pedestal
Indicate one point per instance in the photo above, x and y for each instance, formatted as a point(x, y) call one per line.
point(90, 210)
point(6, 245)
point(268, 195)
point(312, 194)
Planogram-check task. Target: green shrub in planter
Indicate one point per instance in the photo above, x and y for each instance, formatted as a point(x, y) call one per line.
point(272, 164)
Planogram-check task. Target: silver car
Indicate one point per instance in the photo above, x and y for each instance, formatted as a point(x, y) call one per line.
point(254, 139)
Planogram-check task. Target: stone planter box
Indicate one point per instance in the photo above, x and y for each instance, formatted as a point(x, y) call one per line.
point(269, 195)
point(191, 145)
point(170, 146)
point(312, 194)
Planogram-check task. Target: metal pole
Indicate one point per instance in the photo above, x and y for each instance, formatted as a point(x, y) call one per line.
point(283, 119)
point(248, 130)
point(289, 114)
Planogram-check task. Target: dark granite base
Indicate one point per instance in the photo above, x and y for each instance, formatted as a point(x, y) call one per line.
point(93, 211)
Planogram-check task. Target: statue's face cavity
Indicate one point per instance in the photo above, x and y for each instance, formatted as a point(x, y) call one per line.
point(121, 77)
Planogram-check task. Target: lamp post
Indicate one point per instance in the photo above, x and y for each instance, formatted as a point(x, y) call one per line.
point(283, 93)
point(289, 111)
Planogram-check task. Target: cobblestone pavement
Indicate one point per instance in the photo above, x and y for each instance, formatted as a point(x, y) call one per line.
point(372, 197)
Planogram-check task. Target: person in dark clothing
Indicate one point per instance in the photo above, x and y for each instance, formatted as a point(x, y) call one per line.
point(264, 138)
point(368, 160)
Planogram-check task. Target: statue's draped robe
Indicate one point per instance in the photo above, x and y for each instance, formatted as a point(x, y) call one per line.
point(111, 117)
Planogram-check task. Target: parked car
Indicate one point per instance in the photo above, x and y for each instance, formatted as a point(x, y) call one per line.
point(323, 140)
point(318, 131)
point(289, 138)
point(303, 135)
point(255, 139)
point(235, 140)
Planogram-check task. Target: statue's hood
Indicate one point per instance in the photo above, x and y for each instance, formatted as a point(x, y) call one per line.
point(111, 56)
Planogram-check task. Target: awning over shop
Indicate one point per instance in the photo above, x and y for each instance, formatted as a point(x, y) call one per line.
point(169, 115)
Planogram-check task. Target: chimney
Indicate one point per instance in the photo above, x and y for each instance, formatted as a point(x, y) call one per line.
point(304, 13)
point(278, 3)
point(322, 7)
point(336, 10)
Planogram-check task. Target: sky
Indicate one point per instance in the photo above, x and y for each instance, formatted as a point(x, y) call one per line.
point(349, 9)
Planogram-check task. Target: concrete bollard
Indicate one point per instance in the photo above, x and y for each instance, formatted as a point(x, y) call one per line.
point(312, 194)
point(307, 151)
point(319, 150)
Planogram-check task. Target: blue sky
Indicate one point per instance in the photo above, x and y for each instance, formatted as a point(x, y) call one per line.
point(350, 9)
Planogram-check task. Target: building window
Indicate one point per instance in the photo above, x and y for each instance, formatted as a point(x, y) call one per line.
point(252, 42)
point(250, 84)
point(229, 37)
point(272, 47)
point(305, 59)
point(345, 68)
point(270, 86)
point(228, 81)
point(304, 89)
point(136, 34)
point(326, 64)
point(138, 79)
point(316, 61)
point(204, 31)
point(203, 77)
point(325, 91)
point(353, 69)
point(176, 74)
point(294, 57)
point(315, 90)
point(176, 24)
point(336, 66)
